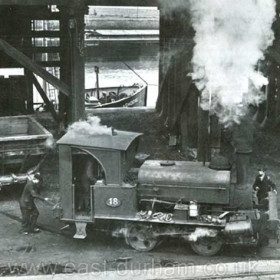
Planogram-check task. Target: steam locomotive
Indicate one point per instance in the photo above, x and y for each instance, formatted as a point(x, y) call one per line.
point(192, 200)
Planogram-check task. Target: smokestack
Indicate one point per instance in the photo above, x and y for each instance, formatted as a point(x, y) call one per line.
point(242, 164)
point(242, 140)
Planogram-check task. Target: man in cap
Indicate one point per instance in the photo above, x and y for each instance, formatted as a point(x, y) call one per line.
point(28, 208)
point(263, 185)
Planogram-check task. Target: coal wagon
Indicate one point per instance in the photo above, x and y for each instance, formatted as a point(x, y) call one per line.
point(23, 144)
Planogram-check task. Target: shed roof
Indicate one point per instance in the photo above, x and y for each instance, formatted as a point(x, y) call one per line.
point(121, 141)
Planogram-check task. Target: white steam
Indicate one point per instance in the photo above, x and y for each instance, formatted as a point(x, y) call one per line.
point(91, 126)
point(49, 143)
point(202, 232)
point(231, 36)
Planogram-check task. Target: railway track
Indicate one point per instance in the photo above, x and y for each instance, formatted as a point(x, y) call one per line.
point(246, 270)
point(163, 274)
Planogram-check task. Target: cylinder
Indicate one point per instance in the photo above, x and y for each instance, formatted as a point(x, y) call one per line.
point(243, 228)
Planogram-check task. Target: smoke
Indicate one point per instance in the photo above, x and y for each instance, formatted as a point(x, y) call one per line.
point(120, 232)
point(230, 38)
point(202, 232)
point(49, 143)
point(90, 127)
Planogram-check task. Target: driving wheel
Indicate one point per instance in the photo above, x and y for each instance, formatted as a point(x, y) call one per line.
point(207, 246)
point(141, 237)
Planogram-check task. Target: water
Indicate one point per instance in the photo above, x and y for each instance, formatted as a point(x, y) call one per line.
point(113, 73)
point(116, 73)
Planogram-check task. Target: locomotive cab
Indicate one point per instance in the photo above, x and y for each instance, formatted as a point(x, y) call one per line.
point(91, 173)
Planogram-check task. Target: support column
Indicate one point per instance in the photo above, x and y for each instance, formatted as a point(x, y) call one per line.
point(76, 110)
point(203, 135)
point(277, 94)
point(65, 59)
point(161, 104)
point(270, 102)
point(29, 90)
point(26, 44)
point(215, 136)
point(74, 73)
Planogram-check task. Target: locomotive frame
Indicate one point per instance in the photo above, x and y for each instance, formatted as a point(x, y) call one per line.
point(185, 199)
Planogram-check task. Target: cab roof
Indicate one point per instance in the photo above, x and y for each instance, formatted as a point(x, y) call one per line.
point(121, 140)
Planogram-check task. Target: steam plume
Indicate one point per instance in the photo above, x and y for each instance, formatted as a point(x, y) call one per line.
point(201, 232)
point(49, 143)
point(231, 37)
point(91, 126)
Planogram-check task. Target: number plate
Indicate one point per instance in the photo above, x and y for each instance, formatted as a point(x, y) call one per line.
point(113, 202)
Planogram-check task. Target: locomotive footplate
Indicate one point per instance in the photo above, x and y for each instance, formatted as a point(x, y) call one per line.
point(155, 220)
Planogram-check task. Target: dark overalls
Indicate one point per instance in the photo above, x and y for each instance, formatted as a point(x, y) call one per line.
point(265, 185)
point(28, 208)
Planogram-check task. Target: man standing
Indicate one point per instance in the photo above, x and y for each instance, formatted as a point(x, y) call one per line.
point(28, 208)
point(263, 185)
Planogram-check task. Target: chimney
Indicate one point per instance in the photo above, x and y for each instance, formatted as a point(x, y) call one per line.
point(242, 138)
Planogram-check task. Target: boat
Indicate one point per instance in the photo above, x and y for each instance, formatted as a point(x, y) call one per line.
point(121, 96)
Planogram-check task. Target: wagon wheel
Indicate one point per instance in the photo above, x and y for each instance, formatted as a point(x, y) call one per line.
point(207, 246)
point(141, 237)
